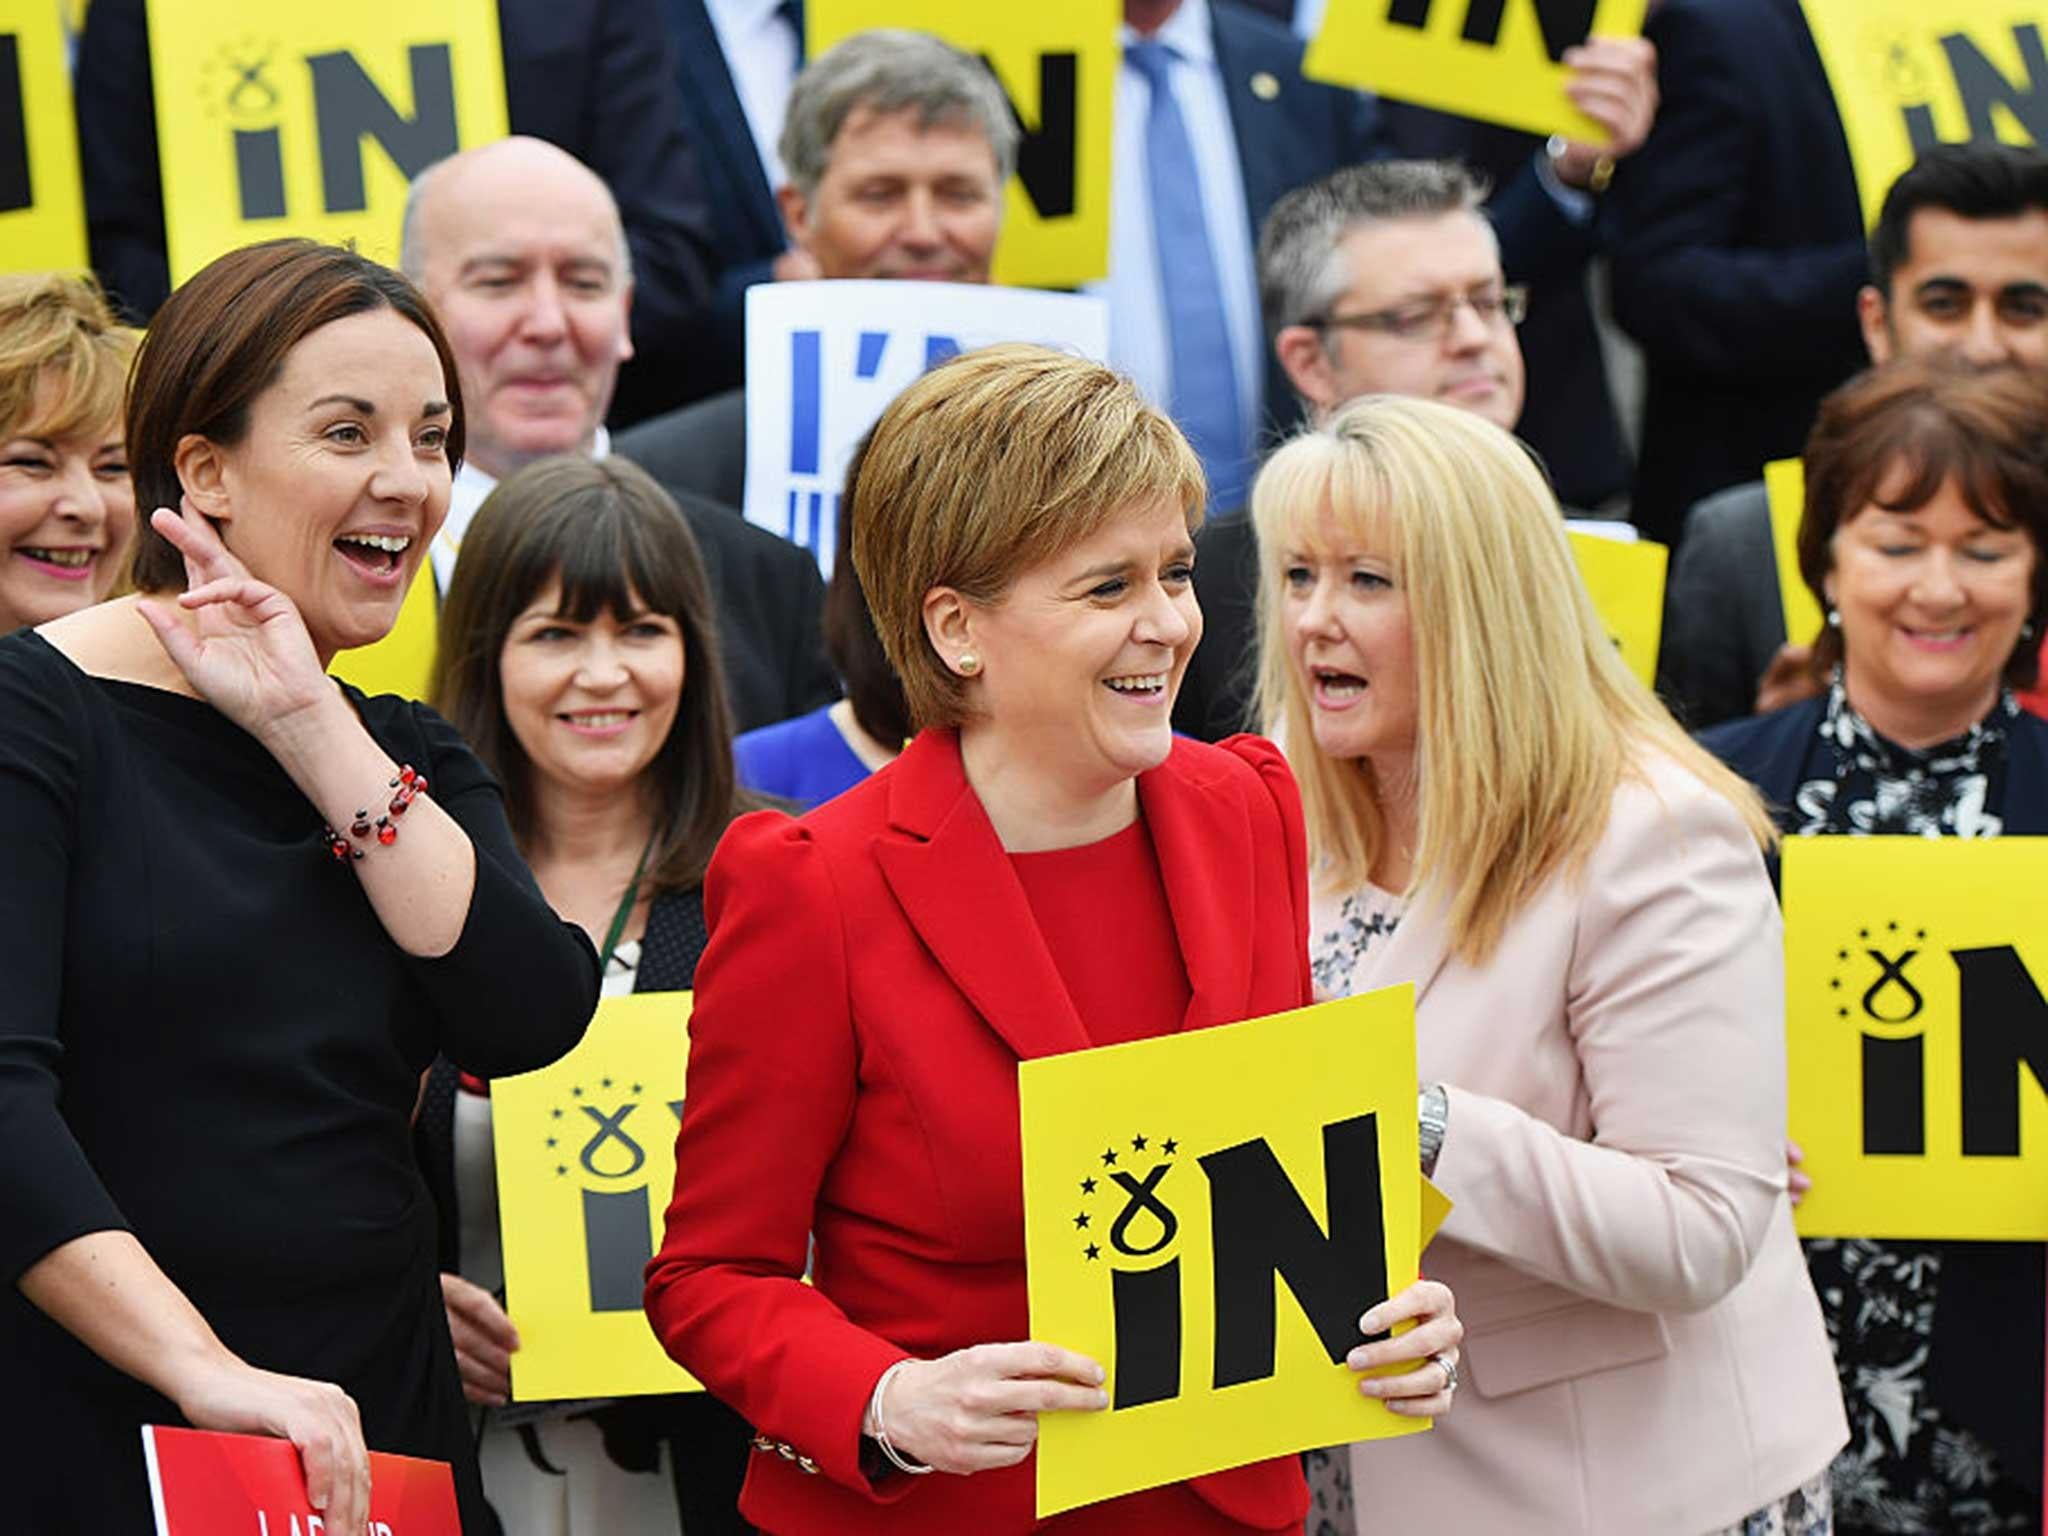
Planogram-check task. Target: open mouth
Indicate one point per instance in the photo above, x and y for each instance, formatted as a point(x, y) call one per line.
point(1141, 685)
point(376, 554)
point(64, 564)
point(1939, 639)
point(1333, 686)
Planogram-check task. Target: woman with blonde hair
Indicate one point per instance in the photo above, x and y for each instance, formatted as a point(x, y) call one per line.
point(1501, 815)
point(67, 510)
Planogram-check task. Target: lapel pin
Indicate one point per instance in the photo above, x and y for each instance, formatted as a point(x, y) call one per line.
point(1265, 86)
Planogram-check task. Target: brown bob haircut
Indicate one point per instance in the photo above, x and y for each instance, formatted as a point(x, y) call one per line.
point(993, 462)
point(617, 543)
point(63, 358)
point(1894, 436)
point(220, 341)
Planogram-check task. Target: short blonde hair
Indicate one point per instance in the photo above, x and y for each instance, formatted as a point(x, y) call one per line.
point(1527, 719)
point(57, 333)
point(991, 463)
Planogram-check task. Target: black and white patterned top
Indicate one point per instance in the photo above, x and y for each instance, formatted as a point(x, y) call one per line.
point(1867, 784)
point(1342, 929)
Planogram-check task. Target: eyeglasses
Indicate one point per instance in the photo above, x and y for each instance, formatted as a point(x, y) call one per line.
point(1431, 319)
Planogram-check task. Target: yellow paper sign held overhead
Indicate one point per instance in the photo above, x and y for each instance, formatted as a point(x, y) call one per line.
point(1208, 1214)
point(1785, 486)
point(586, 1165)
point(1492, 60)
point(42, 206)
point(1908, 75)
point(1917, 1035)
point(1057, 63)
point(1625, 579)
point(312, 120)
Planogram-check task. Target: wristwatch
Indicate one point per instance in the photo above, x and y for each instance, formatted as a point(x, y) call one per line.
point(1433, 1116)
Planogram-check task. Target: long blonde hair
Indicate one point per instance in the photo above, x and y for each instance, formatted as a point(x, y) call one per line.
point(1527, 719)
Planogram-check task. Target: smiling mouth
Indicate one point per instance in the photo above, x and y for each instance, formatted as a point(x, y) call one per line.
point(73, 560)
point(597, 719)
point(1140, 684)
point(377, 552)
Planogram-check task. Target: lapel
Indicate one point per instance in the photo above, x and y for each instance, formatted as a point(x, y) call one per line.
point(1203, 838)
point(953, 880)
point(2026, 778)
point(724, 142)
point(1417, 952)
point(1269, 148)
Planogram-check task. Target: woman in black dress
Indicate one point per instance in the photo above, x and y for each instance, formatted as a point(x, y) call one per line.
point(215, 1014)
point(579, 652)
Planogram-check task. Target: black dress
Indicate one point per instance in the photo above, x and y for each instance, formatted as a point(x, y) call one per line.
point(208, 1039)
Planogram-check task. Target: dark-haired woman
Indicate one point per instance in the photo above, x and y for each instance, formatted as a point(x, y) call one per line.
point(245, 908)
point(578, 652)
point(1923, 537)
point(808, 760)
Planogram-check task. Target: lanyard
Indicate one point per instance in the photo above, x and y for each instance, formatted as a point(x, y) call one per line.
point(626, 905)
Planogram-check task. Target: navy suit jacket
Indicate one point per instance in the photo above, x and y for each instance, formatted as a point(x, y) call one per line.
point(748, 234)
point(1306, 130)
point(1985, 1363)
point(593, 76)
point(1737, 251)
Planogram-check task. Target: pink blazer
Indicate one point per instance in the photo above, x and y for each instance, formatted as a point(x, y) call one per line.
point(1644, 1351)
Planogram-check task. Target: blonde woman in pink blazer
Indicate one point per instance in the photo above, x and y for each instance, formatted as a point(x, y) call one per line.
point(1500, 814)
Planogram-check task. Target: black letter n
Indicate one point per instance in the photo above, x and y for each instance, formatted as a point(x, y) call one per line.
point(350, 109)
point(16, 192)
point(1046, 154)
point(2005, 1025)
point(1262, 1228)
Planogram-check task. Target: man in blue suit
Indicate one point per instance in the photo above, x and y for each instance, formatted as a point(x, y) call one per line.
point(1215, 121)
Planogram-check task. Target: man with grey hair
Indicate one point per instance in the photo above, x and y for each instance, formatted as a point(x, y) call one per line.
point(896, 147)
point(520, 249)
point(1383, 278)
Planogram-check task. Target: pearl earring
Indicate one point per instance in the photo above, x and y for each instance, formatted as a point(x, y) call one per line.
point(968, 665)
point(1834, 618)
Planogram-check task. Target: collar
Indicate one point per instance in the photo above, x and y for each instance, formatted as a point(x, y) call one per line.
point(1187, 34)
point(1857, 743)
point(472, 485)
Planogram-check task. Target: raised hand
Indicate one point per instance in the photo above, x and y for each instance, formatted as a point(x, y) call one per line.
point(977, 1409)
point(1614, 82)
point(240, 642)
point(1425, 1390)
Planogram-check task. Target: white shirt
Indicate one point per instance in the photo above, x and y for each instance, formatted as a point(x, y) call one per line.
point(1138, 341)
point(761, 54)
point(471, 486)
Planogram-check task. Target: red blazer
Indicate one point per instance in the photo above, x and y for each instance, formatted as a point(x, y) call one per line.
point(873, 977)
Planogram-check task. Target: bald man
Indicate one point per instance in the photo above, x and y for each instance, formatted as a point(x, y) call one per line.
point(521, 251)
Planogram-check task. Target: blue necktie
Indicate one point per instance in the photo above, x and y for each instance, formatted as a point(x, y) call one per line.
point(1205, 388)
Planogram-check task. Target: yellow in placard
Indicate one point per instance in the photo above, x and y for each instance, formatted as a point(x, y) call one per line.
point(1785, 486)
point(1917, 1035)
point(42, 206)
point(1493, 60)
point(1625, 579)
point(312, 120)
point(1908, 75)
point(1208, 1215)
point(586, 1164)
point(403, 661)
point(1057, 62)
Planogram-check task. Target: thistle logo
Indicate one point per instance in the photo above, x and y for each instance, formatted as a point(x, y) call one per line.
point(1260, 1229)
point(594, 1146)
point(246, 82)
point(1880, 986)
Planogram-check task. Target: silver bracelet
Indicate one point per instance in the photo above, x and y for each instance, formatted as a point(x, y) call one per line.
point(879, 1432)
point(1433, 1118)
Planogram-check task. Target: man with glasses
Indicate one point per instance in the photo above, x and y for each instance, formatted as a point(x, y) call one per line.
point(1383, 278)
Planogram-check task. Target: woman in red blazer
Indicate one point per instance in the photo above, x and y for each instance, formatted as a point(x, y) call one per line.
point(1045, 868)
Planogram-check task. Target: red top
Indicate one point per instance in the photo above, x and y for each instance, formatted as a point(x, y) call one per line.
point(1103, 913)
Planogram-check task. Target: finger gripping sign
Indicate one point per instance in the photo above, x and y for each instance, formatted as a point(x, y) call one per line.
point(586, 1164)
point(1056, 62)
point(312, 120)
point(1493, 60)
point(1908, 76)
point(42, 210)
point(1209, 1214)
point(1917, 1034)
point(205, 1484)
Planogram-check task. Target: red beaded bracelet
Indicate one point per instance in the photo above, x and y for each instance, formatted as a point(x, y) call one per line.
point(409, 784)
